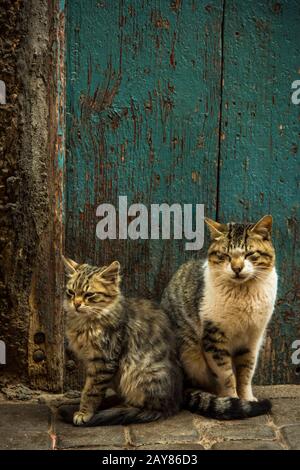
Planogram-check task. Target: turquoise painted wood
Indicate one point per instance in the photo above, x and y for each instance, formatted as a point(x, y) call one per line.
point(143, 100)
point(259, 166)
point(186, 102)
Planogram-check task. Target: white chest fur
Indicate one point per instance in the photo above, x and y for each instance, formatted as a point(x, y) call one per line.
point(242, 311)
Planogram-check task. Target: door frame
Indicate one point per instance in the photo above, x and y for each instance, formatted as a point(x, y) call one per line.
point(46, 323)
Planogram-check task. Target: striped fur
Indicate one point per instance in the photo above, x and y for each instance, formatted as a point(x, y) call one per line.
point(116, 416)
point(125, 344)
point(220, 308)
point(223, 408)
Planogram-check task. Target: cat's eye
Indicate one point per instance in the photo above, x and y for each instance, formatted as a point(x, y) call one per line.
point(222, 256)
point(89, 295)
point(95, 296)
point(252, 255)
point(70, 293)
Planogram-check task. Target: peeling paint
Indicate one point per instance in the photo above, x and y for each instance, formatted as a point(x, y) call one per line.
point(145, 152)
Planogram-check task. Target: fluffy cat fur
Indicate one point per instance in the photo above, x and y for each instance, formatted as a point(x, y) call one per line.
point(219, 308)
point(125, 344)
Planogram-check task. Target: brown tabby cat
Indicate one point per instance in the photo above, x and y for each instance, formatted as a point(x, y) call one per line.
point(220, 308)
point(125, 344)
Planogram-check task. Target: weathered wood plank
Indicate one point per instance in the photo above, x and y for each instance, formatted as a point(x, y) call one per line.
point(259, 167)
point(143, 99)
point(46, 325)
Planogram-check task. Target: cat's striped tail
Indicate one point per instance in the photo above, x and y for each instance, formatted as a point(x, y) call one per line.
point(224, 408)
point(118, 415)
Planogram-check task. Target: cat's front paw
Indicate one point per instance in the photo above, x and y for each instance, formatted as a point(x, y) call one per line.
point(248, 397)
point(81, 417)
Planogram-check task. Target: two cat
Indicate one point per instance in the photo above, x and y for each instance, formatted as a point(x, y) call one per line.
point(207, 332)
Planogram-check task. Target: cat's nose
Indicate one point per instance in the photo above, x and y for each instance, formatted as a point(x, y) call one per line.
point(77, 303)
point(237, 269)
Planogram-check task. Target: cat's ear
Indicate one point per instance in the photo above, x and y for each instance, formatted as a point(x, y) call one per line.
point(70, 265)
point(263, 227)
point(112, 272)
point(216, 229)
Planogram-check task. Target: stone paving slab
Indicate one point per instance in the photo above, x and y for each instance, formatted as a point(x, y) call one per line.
point(292, 436)
point(179, 428)
point(247, 445)
point(253, 428)
point(69, 436)
point(37, 426)
point(111, 448)
point(240, 432)
point(276, 391)
point(171, 447)
point(24, 426)
point(286, 411)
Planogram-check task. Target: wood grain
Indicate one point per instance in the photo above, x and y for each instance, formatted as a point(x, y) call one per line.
point(259, 166)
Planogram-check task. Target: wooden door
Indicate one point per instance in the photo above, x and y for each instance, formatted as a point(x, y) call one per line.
point(185, 102)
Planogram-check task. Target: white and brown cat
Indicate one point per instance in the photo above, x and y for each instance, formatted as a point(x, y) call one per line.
point(220, 308)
